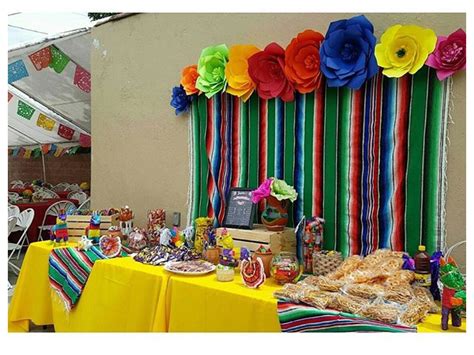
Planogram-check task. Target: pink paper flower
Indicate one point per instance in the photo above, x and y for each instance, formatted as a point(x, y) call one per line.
point(449, 55)
point(262, 191)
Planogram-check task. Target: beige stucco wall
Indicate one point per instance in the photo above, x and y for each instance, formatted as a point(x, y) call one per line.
point(140, 148)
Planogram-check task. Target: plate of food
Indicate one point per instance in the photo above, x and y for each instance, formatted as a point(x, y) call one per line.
point(110, 246)
point(190, 267)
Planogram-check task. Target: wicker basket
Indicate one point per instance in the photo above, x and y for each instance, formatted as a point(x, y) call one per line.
point(325, 262)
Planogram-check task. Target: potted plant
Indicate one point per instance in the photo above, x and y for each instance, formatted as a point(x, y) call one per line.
point(278, 194)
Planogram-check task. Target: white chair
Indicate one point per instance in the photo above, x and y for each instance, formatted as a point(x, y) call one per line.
point(60, 187)
point(80, 196)
point(13, 196)
point(54, 210)
point(86, 205)
point(22, 224)
point(13, 211)
point(11, 247)
point(73, 187)
point(43, 194)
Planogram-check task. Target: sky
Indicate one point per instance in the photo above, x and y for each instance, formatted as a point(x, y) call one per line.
point(26, 27)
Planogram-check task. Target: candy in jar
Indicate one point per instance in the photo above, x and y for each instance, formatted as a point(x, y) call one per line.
point(285, 268)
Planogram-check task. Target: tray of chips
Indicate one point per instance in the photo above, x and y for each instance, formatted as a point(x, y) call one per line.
point(191, 267)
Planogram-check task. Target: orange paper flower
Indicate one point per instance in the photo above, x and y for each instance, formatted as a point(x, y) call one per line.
point(239, 82)
point(302, 61)
point(188, 79)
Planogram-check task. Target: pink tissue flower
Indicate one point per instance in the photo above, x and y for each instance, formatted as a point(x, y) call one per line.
point(262, 191)
point(449, 55)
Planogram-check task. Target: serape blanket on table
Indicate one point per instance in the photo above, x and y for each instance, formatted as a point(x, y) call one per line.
point(301, 318)
point(69, 270)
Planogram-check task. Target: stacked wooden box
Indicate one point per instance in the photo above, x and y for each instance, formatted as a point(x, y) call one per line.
point(252, 238)
point(76, 225)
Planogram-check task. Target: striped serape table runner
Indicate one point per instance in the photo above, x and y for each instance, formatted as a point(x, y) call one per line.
point(301, 318)
point(69, 270)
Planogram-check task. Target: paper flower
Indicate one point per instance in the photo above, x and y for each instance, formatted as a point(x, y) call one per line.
point(262, 191)
point(239, 82)
point(347, 53)
point(302, 61)
point(189, 76)
point(404, 49)
point(266, 68)
point(211, 69)
point(282, 191)
point(179, 100)
point(449, 55)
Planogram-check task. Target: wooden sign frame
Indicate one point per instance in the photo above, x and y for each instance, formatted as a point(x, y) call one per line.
point(249, 225)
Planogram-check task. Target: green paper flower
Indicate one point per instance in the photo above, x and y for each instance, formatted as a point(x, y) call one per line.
point(211, 70)
point(282, 191)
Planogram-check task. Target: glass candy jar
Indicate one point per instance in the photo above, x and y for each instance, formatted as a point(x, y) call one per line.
point(285, 267)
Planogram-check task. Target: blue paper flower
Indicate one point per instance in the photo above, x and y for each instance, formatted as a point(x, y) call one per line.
point(347, 53)
point(179, 100)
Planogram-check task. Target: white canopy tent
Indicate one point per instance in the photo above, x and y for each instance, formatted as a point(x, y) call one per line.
point(48, 94)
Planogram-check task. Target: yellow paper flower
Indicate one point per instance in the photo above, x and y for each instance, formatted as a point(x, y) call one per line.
point(404, 49)
point(239, 82)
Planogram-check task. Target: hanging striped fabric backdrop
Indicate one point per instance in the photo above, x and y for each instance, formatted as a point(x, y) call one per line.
point(371, 161)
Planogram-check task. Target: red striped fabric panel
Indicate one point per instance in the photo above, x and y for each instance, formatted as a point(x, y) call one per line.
point(400, 162)
point(355, 171)
point(235, 142)
point(209, 149)
point(318, 144)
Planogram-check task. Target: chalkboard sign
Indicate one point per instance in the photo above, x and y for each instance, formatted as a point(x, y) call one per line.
point(240, 209)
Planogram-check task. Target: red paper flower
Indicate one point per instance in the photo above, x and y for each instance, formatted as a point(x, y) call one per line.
point(302, 61)
point(266, 68)
point(449, 55)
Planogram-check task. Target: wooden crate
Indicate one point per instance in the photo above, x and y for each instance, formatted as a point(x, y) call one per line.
point(76, 225)
point(251, 239)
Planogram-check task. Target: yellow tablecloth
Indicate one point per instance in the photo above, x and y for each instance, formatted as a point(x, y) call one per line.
point(124, 295)
point(120, 295)
point(203, 304)
point(32, 296)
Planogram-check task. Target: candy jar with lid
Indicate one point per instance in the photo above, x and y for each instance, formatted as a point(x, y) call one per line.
point(285, 267)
